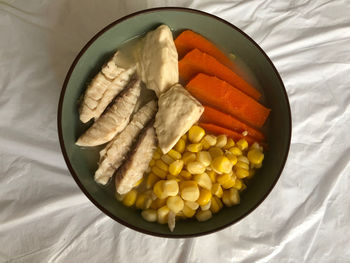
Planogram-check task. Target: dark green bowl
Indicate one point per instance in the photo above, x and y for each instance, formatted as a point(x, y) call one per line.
point(83, 162)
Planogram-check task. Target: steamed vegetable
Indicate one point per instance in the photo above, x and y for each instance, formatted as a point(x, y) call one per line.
point(196, 62)
point(221, 95)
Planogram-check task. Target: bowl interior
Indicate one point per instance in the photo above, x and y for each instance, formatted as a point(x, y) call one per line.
point(83, 162)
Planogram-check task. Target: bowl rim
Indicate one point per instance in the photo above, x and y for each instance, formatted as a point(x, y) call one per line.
point(67, 160)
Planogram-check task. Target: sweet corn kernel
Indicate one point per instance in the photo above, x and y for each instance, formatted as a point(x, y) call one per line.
point(130, 198)
point(251, 173)
point(236, 151)
point(204, 197)
point(194, 147)
point(206, 206)
point(185, 174)
point(203, 215)
point(162, 165)
point(189, 190)
point(192, 205)
point(149, 215)
point(204, 157)
point(244, 186)
point(231, 197)
point(242, 165)
point(175, 203)
point(157, 203)
point(162, 214)
point(143, 201)
point(242, 144)
point(171, 187)
point(230, 143)
point(159, 189)
point(195, 167)
point(212, 176)
point(216, 205)
point(151, 180)
point(152, 163)
point(256, 146)
point(174, 154)
point(221, 141)
point(205, 145)
point(188, 212)
point(217, 190)
point(221, 164)
point(138, 182)
point(203, 180)
point(243, 159)
point(173, 177)
point(241, 173)
point(156, 155)
point(230, 183)
point(180, 146)
point(210, 139)
point(238, 184)
point(167, 159)
point(159, 172)
point(257, 166)
point(184, 137)
point(215, 152)
point(223, 178)
point(255, 156)
point(195, 134)
point(188, 157)
point(176, 167)
point(231, 157)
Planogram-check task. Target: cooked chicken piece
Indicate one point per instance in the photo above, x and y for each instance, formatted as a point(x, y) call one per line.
point(135, 167)
point(177, 112)
point(158, 60)
point(113, 155)
point(103, 88)
point(116, 86)
point(114, 120)
point(111, 70)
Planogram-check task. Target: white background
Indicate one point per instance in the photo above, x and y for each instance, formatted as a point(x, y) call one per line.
point(44, 217)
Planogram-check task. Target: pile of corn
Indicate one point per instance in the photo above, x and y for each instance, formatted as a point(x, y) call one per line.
point(196, 178)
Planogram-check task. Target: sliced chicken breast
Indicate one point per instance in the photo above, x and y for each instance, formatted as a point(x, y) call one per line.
point(113, 155)
point(108, 83)
point(158, 60)
point(114, 120)
point(135, 167)
point(177, 112)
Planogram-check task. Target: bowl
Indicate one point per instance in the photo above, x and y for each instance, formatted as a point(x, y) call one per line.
point(82, 163)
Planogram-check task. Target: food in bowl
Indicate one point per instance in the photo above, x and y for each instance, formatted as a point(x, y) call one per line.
point(206, 127)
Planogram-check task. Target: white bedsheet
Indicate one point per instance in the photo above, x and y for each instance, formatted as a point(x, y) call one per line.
point(46, 218)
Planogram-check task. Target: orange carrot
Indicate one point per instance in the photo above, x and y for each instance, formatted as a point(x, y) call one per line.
point(189, 40)
point(222, 96)
point(196, 62)
point(219, 118)
point(212, 128)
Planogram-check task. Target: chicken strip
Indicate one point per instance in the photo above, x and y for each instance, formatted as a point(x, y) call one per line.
point(158, 60)
point(116, 86)
point(103, 88)
point(177, 112)
point(114, 120)
point(135, 167)
point(113, 155)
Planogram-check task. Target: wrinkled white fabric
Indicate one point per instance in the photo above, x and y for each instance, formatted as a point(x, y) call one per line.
point(46, 218)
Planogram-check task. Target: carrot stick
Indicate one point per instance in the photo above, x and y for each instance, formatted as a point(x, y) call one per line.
point(196, 62)
point(189, 40)
point(222, 96)
point(211, 115)
point(215, 129)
